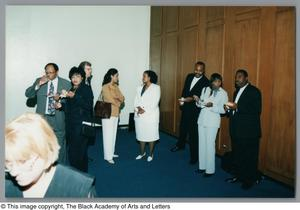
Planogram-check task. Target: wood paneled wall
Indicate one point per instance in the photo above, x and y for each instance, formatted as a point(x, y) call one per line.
point(259, 39)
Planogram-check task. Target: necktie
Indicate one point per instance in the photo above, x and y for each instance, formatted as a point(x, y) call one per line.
point(51, 102)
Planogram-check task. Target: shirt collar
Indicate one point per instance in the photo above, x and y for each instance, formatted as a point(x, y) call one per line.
point(54, 81)
point(243, 88)
point(197, 78)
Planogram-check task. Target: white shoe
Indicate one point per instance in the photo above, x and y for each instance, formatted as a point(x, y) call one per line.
point(111, 161)
point(115, 156)
point(140, 156)
point(150, 158)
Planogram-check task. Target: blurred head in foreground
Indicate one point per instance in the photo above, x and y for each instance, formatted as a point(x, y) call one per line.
point(31, 148)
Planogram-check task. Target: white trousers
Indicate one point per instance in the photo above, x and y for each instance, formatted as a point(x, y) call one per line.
point(109, 130)
point(207, 148)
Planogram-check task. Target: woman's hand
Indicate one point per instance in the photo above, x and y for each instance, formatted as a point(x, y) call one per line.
point(70, 94)
point(140, 110)
point(209, 104)
point(63, 93)
point(119, 99)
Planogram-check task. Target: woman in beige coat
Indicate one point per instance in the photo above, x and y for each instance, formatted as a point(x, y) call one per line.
point(111, 93)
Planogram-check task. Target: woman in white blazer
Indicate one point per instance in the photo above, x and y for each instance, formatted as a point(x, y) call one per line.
point(212, 102)
point(146, 113)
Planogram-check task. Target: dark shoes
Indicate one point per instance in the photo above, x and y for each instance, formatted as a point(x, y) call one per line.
point(192, 162)
point(247, 185)
point(199, 171)
point(232, 180)
point(207, 175)
point(176, 148)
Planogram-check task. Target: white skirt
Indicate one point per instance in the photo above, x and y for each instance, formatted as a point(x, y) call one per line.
point(146, 132)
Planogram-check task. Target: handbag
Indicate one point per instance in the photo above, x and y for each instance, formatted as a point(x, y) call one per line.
point(102, 109)
point(31, 102)
point(88, 130)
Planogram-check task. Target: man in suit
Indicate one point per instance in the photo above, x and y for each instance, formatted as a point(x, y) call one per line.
point(47, 90)
point(188, 125)
point(245, 130)
point(87, 67)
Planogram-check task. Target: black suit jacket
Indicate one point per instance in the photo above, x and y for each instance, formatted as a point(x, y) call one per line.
point(80, 107)
point(245, 122)
point(196, 90)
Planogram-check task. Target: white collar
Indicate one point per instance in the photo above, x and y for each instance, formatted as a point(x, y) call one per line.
point(197, 78)
point(243, 88)
point(219, 89)
point(55, 80)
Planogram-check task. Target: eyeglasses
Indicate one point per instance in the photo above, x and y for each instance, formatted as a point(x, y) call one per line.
point(23, 165)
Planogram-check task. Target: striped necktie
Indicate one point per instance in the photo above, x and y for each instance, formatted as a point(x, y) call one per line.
point(51, 102)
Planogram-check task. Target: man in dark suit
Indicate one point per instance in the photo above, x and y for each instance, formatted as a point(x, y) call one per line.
point(245, 130)
point(188, 125)
point(47, 90)
point(87, 67)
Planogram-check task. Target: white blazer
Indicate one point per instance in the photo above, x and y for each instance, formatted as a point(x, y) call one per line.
point(210, 116)
point(149, 101)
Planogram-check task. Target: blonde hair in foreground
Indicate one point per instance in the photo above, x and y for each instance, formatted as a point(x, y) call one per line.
point(28, 135)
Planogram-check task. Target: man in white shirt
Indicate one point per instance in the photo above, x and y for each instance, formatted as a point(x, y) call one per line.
point(195, 80)
point(245, 130)
point(188, 124)
point(47, 90)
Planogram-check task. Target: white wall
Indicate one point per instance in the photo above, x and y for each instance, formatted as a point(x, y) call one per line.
point(107, 36)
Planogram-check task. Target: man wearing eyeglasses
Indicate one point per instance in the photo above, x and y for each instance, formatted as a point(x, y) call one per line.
point(47, 90)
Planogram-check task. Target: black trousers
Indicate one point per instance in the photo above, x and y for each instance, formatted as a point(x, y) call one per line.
point(245, 158)
point(189, 128)
point(77, 148)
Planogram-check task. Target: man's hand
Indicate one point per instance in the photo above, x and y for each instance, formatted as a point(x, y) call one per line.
point(56, 97)
point(196, 98)
point(181, 101)
point(43, 80)
point(189, 99)
point(231, 105)
point(226, 108)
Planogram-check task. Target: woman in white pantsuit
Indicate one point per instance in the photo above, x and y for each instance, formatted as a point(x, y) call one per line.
point(147, 113)
point(111, 93)
point(212, 102)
